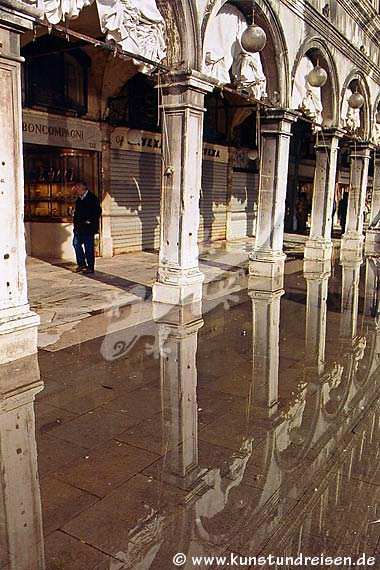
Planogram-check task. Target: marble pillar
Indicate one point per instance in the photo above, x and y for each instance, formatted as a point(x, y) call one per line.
point(319, 245)
point(18, 324)
point(352, 239)
point(267, 258)
point(372, 236)
point(179, 280)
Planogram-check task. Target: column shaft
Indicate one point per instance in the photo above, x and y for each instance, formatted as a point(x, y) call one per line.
point(372, 237)
point(275, 136)
point(319, 246)
point(359, 160)
point(18, 325)
point(179, 280)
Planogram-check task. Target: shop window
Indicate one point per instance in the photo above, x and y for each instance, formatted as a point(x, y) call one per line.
point(55, 76)
point(50, 175)
point(136, 105)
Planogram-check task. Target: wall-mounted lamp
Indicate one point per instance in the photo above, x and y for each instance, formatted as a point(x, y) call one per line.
point(317, 77)
point(356, 100)
point(254, 38)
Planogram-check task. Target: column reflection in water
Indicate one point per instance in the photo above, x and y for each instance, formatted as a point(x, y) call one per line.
point(350, 296)
point(21, 539)
point(178, 340)
point(317, 278)
point(372, 286)
point(266, 296)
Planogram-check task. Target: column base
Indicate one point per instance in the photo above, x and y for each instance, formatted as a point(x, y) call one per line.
point(266, 264)
point(107, 247)
point(18, 337)
point(182, 291)
point(352, 242)
point(318, 249)
point(372, 242)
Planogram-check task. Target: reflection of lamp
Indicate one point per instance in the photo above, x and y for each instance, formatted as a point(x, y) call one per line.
point(317, 77)
point(356, 100)
point(252, 154)
point(254, 38)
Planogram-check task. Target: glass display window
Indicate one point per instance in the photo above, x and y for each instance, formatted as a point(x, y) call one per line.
point(50, 176)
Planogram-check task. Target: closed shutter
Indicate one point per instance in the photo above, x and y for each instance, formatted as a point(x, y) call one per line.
point(135, 200)
point(213, 202)
point(244, 201)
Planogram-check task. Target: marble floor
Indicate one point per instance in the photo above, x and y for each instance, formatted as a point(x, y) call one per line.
point(242, 431)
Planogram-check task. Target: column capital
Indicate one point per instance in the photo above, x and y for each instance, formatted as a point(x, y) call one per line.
point(18, 16)
point(187, 79)
point(328, 138)
point(277, 121)
point(361, 149)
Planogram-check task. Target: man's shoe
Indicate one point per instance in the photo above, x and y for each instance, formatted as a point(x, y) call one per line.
point(80, 269)
point(87, 271)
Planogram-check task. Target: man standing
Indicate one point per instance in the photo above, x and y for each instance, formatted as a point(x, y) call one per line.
point(86, 225)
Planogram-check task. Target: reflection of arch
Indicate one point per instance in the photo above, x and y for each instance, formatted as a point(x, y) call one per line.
point(274, 59)
point(315, 48)
point(376, 126)
point(356, 77)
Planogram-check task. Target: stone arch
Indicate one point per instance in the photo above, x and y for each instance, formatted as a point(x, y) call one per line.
point(315, 48)
point(181, 33)
point(275, 54)
point(357, 76)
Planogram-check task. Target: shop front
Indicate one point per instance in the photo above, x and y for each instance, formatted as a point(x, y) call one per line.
point(58, 152)
point(135, 187)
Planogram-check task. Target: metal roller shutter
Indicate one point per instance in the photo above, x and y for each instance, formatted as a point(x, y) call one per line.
point(135, 200)
point(213, 202)
point(243, 205)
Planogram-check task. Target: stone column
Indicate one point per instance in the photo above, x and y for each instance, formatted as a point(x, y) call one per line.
point(319, 245)
point(317, 279)
point(352, 240)
point(268, 256)
point(105, 179)
point(21, 536)
point(178, 340)
point(372, 236)
point(179, 280)
point(266, 297)
point(18, 325)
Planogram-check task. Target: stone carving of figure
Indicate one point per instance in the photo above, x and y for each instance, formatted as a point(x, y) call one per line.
point(226, 60)
point(305, 97)
point(135, 25)
point(376, 133)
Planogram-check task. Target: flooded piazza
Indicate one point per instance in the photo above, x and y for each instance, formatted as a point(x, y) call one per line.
point(246, 425)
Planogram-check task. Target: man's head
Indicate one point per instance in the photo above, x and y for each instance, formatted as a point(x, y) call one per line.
point(80, 188)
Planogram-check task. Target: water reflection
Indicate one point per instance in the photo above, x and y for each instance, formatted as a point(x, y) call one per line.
point(21, 543)
point(265, 440)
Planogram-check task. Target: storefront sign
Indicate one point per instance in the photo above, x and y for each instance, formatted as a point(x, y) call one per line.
point(144, 141)
point(45, 129)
